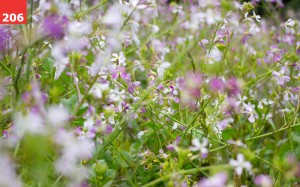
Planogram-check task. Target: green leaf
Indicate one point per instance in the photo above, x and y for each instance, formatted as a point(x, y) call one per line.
point(228, 133)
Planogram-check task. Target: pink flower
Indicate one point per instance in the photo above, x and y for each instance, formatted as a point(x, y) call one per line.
point(232, 87)
point(191, 87)
point(263, 181)
point(216, 84)
point(218, 180)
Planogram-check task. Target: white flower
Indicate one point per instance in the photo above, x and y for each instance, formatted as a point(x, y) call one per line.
point(135, 4)
point(201, 147)
point(155, 28)
point(57, 115)
point(239, 164)
point(210, 16)
point(260, 105)
point(257, 17)
point(60, 59)
point(111, 120)
point(29, 123)
point(78, 29)
point(254, 29)
point(177, 9)
point(241, 100)
point(161, 69)
point(89, 123)
point(215, 54)
point(73, 149)
point(140, 134)
point(8, 177)
point(97, 89)
point(116, 95)
point(250, 111)
point(290, 23)
point(175, 126)
point(119, 58)
point(113, 17)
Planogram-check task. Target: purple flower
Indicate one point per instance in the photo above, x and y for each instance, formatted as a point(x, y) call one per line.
point(4, 36)
point(232, 86)
point(54, 25)
point(192, 88)
point(278, 3)
point(263, 180)
point(280, 77)
point(216, 84)
point(218, 180)
point(274, 54)
point(297, 174)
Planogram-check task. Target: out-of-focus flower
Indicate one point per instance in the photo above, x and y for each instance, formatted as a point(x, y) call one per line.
point(161, 69)
point(278, 3)
point(215, 54)
point(57, 115)
point(224, 123)
point(237, 143)
point(155, 28)
point(4, 36)
point(177, 9)
point(61, 59)
point(73, 150)
point(239, 164)
point(263, 181)
point(190, 87)
point(79, 29)
point(113, 17)
point(140, 134)
point(218, 180)
point(217, 84)
point(290, 23)
point(31, 122)
point(98, 88)
point(232, 87)
point(175, 126)
point(8, 177)
point(54, 25)
point(200, 146)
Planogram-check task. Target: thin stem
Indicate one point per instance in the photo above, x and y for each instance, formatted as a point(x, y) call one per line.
point(271, 133)
point(189, 171)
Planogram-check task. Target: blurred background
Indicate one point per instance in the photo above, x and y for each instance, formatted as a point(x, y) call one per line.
point(284, 8)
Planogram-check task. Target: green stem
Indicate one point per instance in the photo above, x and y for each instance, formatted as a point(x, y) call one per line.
point(93, 8)
point(182, 172)
point(271, 133)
